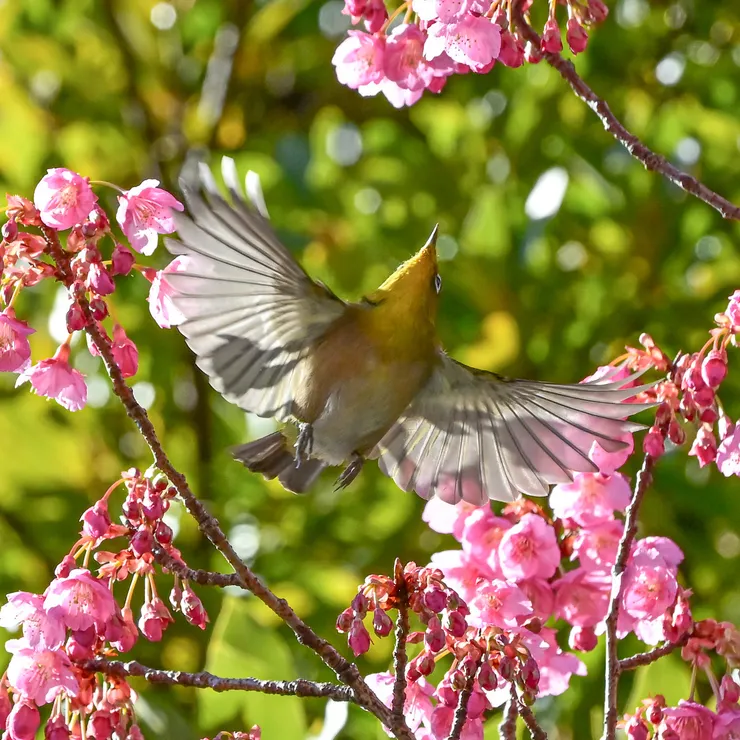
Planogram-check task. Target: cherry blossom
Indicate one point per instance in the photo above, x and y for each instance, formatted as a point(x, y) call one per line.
point(55, 379)
point(15, 350)
point(63, 198)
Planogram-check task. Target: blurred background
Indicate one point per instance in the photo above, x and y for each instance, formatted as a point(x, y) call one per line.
point(557, 249)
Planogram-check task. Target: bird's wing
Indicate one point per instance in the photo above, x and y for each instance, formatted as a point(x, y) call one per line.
point(251, 312)
point(472, 435)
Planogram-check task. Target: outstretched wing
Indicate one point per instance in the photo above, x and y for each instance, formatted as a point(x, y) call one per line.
point(251, 312)
point(473, 436)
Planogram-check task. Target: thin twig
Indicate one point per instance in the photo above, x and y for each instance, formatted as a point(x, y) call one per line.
point(461, 711)
point(507, 728)
point(642, 483)
point(204, 680)
point(635, 661)
point(201, 577)
point(651, 160)
point(536, 732)
point(400, 658)
point(208, 524)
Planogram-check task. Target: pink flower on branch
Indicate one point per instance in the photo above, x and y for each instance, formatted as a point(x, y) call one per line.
point(63, 198)
point(359, 59)
point(15, 350)
point(144, 212)
point(41, 630)
point(728, 453)
point(81, 601)
point(40, 676)
point(529, 549)
point(55, 379)
point(161, 305)
point(590, 498)
point(473, 41)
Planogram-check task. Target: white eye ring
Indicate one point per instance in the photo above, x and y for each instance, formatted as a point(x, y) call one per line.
point(437, 283)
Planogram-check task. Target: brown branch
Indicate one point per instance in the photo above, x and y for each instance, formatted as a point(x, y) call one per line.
point(507, 728)
point(635, 661)
point(642, 483)
point(205, 680)
point(461, 711)
point(530, 720)
point(201, 577)
point(649, 158)
point(346, 672)
point(400, 658)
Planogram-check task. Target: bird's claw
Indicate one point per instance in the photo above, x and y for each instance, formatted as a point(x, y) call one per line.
point(304, 444)
point(350, 472)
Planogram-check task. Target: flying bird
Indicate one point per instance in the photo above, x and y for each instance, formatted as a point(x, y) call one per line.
point(367, 380)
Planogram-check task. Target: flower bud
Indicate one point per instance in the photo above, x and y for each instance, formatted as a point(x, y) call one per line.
point(360, 605)
point(576, 36)
point(597, 11)
point(23, 721)
point(435, 599)
point(55, 729)
point(435, 640)
point(654, 713)
point(458, 680)
point(344, 620)
point(76, 320)
point(455, 623)
point(95, 520)
point(532, 54)
point(487, 678)
point(9, 231)
point(551, 40)
point(359, 637)
point(676, 433)
point(729, 691)
point(714, 368)
point(512, 51)
point(653, 444)
point(142, 541)
point(506, 668)
point(636, 729)
point(425, 663)
point(99, 308)
point(382, 624)
point(193, 609)
point(64, 568)
point(530, 674)
point(163, 533)
point(583, 639)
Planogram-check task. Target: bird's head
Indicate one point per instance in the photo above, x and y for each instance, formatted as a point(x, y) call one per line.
point(415, 285)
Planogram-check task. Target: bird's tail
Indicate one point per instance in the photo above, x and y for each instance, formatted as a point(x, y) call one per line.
point(272, 456)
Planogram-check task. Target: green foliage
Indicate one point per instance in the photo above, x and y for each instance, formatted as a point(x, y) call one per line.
point(96, 87)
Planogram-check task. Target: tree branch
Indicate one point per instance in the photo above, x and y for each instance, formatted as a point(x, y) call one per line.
point(642, 483)
point(400, 658)
point(507, 728)
point(635, 661)
point(530, 720)
point(204, 680)
point(208, 524)
point(461, 711)
point(201, 577)
point(651, 160)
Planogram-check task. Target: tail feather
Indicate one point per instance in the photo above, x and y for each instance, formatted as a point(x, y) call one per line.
point(272, 456)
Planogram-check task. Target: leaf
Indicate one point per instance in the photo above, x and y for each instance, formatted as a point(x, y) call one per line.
point(240, 648)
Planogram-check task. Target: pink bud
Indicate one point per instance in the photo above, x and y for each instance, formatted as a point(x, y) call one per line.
point(9, 231)
point(425, 663)
point(654, 713)
point(382, 624)
point(704, 397)
point(487, 678)
point(576, 36)
point(152, 505)
point(583, 639)
point(725, 427)
point(95, 520)
point(729, 690)
point(653, 444)
point(99, 308)
point(435, 599)
point(359, 637)
point(99, 279)
point(125, 353)
point(530, 674)
point(100, 726)
point(5, 705)
point(597, 11)
point(512, 52)
point(375, 15)
point(714, 368)
point(360, 605)
point(76, 320)
point(56, 729)
point(142, 541)
point(344, 620)
point(455, 623)
point(64, 568)
point(532, 54)
point(458, 680)
point(551, 41)
point(163, 533)
point(704, 447)
point(122, 260)
point(135, 733)
point(506, 668)
point(128, 633)
point(636, 729)
point(446, 695)
point(435, 640)
point(676, 433)
point(23, 721)
point(193, 609)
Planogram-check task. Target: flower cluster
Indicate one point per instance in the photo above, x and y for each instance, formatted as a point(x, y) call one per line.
point(446, 37)
point(64, 200)
point(78, 618)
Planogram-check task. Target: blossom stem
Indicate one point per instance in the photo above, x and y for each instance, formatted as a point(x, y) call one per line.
point(107, 184)
point(400, 658)
point(642, 483)
point(394, 15)
point(535, 731)
point(650, 159)
point(204, 679)
point(16, 293)
point(130, 594)
point(507, 728)
point(461, 711)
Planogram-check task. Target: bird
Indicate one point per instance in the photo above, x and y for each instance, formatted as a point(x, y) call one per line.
point(367, 380)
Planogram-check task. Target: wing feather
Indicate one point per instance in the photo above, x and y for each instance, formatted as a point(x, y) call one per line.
point(251, 312)
point(484, 436)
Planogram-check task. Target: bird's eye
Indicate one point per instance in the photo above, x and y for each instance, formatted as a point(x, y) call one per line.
point(437, 283)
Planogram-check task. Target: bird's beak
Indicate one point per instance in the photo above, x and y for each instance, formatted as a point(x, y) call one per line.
point(432, 240)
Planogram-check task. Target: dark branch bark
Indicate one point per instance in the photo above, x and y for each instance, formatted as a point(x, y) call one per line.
point(346, 672)
point(536, 732)
point(400, 657)
point(507, 728)
point(642, 483)
point(201, 577)
point(635, 661)
point(205, 680)
point(649, 158)
point(461, 711)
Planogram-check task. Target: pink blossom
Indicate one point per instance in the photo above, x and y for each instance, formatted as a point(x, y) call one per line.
point(596, 545)
point(636, 729)
point(396, 95)
point(462, 573)
point(41, 676)
point(705, 446)
point(15, 350)
point(359, 59)
point(40, 629)
point(665, 547)
point(608, 462)
point(417, 705)
point(161, 305)
point(54, 378)
point(590, 498)
point(529, 549)
point(447, 518)
point(122, 260)
point(481, 536)
point(499, 603)
point(193, 609)
point(583, 639)
point(582, 597)
point(512, 51)
point(445, 11)
point(690, 721)
point(441, 724)
point(551, 41)
point(540, 593)
point(733, 310)
point(404, 60)
point(154, 619)
point(650, 586)
point(63, 198)
point(728, 453)
point(99, 279)
point(474, 41)
point(145, 211)
point(125, 352)
point(727, 723)
point(23, 721)
point(81, 601)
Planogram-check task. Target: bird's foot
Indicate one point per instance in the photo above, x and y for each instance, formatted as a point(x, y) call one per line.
point(304, 444)
point(350, 472)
